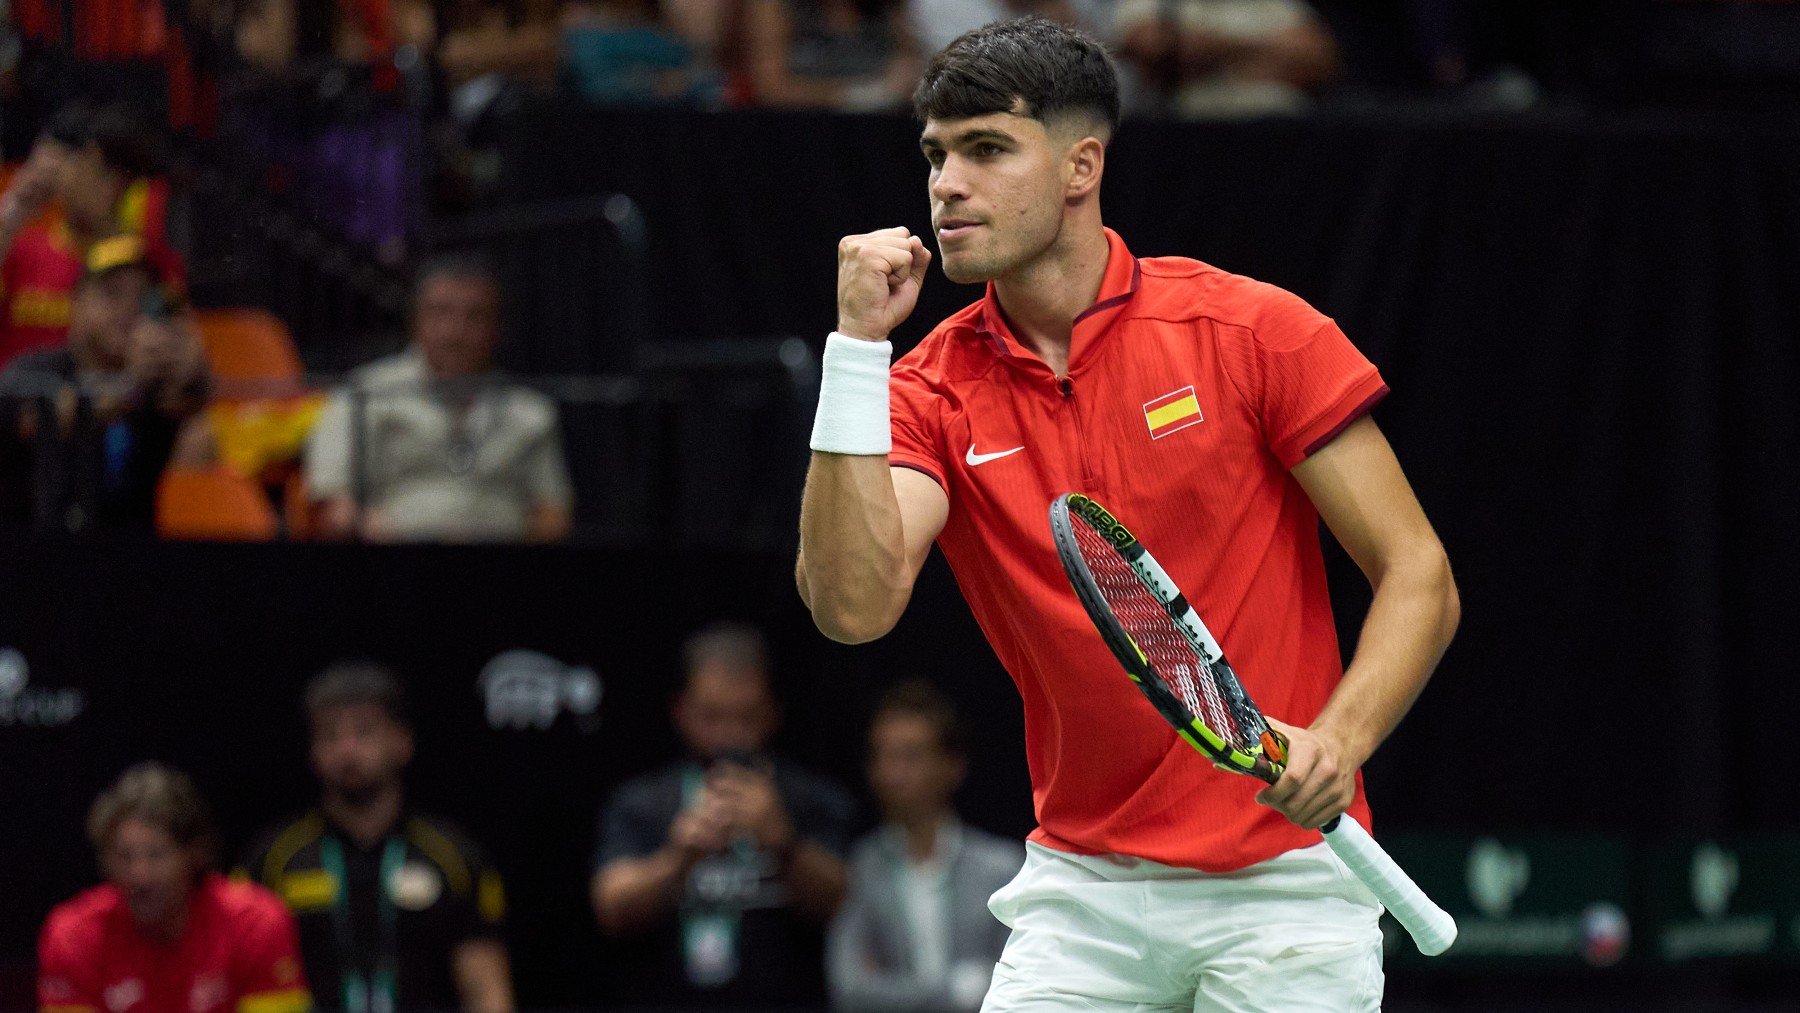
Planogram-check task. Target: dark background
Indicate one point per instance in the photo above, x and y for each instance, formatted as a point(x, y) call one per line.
point(1588, 321)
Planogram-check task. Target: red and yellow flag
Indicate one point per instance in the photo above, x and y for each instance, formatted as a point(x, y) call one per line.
point(1175, 410)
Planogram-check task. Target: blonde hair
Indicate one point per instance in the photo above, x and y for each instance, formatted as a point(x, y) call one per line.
point(157, 794)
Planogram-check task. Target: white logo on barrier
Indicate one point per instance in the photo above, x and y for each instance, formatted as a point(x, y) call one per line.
point(23, 704)
point(124, 995)
point(528, 689)
point(1713, 877)
point(1496, 876)
point(1605, 934)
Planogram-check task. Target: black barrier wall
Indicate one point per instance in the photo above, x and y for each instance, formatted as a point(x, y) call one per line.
point(196, 655)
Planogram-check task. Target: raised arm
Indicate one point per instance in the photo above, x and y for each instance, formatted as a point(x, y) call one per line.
point(1360, 492)
point(865, 527)
point(865, 530)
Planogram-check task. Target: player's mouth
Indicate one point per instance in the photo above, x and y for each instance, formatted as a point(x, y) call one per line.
point(951, 229)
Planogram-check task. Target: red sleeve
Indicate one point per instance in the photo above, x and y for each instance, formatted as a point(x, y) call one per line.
point(66, 981)
point(266, 976)
point(915, 414)
point(1309, 382)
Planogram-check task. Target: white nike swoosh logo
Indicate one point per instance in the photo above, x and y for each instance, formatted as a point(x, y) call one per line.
point(973, 458)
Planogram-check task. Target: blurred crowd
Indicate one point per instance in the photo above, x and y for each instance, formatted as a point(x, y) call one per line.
point(117, 408)
point(732, 874)
point(123, 407)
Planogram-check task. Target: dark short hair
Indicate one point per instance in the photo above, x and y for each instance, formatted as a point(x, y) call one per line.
point(733, 645)
point(126, 141)
point(468, 265)
point(348, 683)
point(917, 698)
point(1051, 68)
point(156, 794)
point(69, 124)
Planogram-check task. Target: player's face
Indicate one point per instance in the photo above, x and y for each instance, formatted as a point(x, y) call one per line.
point(151, 869)
point(357, 749)
point(912, 775)
point(456, 322)
point(89, 190)
point(103, 312)
point(724, 711)
point(997, 193)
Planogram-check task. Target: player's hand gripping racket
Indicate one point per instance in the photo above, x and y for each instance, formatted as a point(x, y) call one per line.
point(1169, 653)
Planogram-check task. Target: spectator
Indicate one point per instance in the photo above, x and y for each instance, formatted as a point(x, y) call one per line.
point(86, 430)
point(95, 165)
point(447, 450)
point(615, 52)
point(936, 23)
point(397, 910)
point(1227, 57)
point(850, 55)
point(164, 932)
point(915, 932)
point(727, 863)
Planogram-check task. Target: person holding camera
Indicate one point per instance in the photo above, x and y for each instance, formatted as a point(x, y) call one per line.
point(726, 866)
point(87, 430)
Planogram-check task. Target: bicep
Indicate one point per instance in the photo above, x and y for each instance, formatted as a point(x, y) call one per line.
point(1356, 484)
point(924, 507)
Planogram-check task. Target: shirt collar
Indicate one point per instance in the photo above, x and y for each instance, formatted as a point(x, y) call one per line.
point(1117, 286)
point(944, 849)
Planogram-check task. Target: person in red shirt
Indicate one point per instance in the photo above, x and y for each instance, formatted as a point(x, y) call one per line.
point(1221, 418)
point(87, 178)
point(165, 934)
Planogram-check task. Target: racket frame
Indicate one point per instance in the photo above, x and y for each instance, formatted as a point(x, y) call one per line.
point(1263, 760)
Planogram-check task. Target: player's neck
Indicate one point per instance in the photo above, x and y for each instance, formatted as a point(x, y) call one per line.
point(922, 835)
point(1042, 299)
point(366, 820)
point(168, 929)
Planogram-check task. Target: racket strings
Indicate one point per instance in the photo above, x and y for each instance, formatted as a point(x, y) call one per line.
point(1166, 648)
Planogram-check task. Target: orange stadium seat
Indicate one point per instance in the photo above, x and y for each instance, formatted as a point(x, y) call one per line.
point(214, 504)
point(250, 347)
point(261, 410)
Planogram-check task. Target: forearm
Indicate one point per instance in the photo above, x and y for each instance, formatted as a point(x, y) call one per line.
point(529, 50)
point(631, 894)
point(817, 879)
point(483, 976)
point(548, 522)
point(853, 571)
point(1414, 614)
point(774, 85)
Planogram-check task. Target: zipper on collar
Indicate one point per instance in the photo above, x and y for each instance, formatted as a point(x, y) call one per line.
point(1065, 389)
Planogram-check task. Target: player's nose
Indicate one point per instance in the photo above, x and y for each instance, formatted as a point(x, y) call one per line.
point(951, 184)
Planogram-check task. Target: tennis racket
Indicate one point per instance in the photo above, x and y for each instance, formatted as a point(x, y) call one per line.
point(1172, 657)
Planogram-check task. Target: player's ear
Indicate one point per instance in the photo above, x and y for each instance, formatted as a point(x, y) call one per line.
point(1086, 162)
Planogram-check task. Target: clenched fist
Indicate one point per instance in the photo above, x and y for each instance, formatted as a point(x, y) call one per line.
point(879, 274)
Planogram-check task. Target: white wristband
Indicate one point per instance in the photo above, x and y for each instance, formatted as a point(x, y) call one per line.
point(853, 397)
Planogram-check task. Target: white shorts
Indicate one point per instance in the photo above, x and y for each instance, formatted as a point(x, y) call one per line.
point(1297, 932)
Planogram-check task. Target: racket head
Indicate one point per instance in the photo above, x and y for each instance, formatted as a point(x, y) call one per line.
point(1160, 641)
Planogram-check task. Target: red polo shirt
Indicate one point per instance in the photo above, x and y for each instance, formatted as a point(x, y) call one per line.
point(238, 954)
point(1190, 393)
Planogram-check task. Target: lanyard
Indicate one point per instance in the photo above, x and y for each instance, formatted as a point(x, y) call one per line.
point(366, 992)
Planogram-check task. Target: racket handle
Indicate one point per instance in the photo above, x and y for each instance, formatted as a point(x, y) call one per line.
point(1432, 928)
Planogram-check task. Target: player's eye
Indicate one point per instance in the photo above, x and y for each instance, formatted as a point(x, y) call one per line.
point(986, 149)
point(935, 156)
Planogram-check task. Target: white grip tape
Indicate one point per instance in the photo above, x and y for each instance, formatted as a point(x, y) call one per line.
point(853, 397)
point(1431, 926)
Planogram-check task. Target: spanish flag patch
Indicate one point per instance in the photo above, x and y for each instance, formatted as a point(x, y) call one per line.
point(1175, 410)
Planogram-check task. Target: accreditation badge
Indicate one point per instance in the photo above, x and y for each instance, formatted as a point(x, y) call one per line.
point(415, 886)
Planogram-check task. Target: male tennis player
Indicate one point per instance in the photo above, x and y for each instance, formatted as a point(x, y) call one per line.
point(1221, 418)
